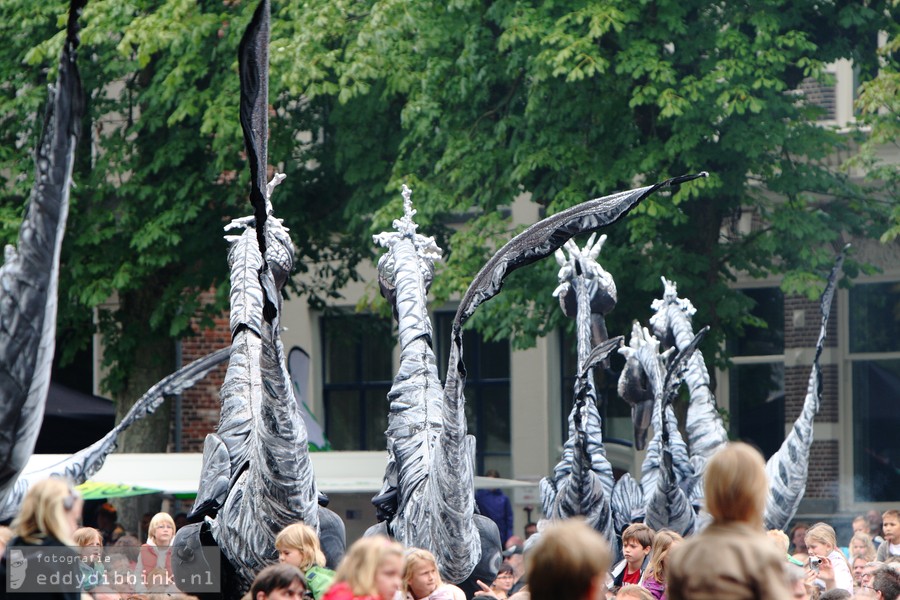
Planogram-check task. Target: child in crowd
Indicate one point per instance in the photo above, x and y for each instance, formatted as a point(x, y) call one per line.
point(637, 539)
point(890, 524)
point(421, 579)
point(129, 546)
point(781, 542)
point(655, 575)
point(568, 563)
point(861, 544)
point(278, 581)
point(372, 569)
point(298, 545)
point(154, 566)
point(633, 592)
point(822, 545)
point(90, 544)
point(732, 557)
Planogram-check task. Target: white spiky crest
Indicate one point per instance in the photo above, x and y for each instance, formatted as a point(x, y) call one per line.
point(670, 296)
point(406, 229)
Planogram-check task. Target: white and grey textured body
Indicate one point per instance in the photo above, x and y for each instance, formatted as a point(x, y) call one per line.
point(682, 467)
point(672, 324)
point(257, 477)
point(29, 275)
point(582, 482)
point(788, 468)
point(667, 501)
point(627, 503)
point(273, 484)
point(431, 459)
point(451, 458)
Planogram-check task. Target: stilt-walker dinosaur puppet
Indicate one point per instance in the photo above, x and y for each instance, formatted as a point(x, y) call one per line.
point(666, 501)
point(787, 469)
point(582, 482)
point(428, 495)
point(30, 273)
point(257, 476)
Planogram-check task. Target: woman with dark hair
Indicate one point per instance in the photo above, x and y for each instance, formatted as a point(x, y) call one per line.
point(278, 581)
point(506, 577)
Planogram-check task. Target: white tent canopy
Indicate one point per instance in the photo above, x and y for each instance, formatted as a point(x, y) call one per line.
point(179, 473)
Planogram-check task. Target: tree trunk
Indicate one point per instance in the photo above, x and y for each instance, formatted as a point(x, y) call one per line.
point(151, 434)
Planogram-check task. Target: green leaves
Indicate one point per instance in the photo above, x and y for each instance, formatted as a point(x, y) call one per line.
point(473, 104)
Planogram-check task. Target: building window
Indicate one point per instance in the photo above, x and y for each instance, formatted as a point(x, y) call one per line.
point(615, 412)
point(357, 376)
point(756, 379)
point(487, 393)
point(874, 326)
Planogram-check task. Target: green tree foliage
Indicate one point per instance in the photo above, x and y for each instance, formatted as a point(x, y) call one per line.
point(566, 101)
point(161, 170)
point(471, 104)
point(879, 107)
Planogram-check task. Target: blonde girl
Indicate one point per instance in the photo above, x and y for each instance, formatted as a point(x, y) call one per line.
point(88, 537)
point(422, 579)
point(90, 542)
point(155, 558)
point(298, 545)
point(633, 592)
point(48, 518)
point(655, 576)
point(861, 543)
point(732, 557)
point(51, 510)
point(821, 543)
point(372, 569)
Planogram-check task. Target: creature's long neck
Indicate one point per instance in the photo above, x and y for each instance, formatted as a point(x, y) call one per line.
point(412, 296)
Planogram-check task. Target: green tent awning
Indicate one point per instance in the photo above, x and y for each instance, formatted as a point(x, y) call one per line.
point(99, 490)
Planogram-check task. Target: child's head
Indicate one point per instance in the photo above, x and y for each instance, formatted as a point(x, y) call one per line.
point(156, 579)
point(278, 578)
point(161, 529)
point(373, 566)
point(298, 545)
point(860, 524)
point(890, 524)
point(90, 541)
point(637, 540)
point(87, 536)
point(735, 484)
point(420, 574)
point(570, 560)
point(633, 592)
point(779, 539)
point(662, 543)
point(820, 540)
point(861, 544)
